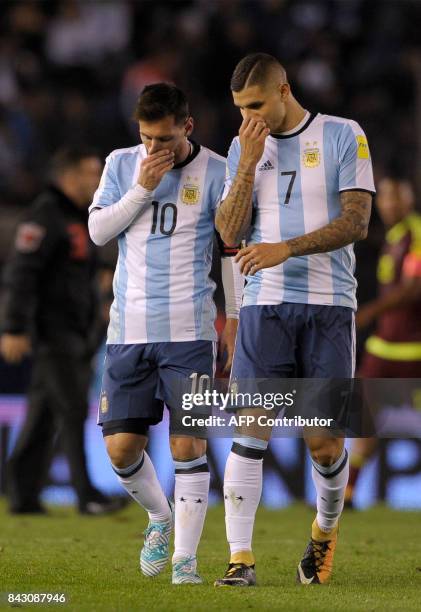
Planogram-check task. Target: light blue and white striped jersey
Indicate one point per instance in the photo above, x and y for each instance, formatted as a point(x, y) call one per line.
point(297, 189)
point(162, 289)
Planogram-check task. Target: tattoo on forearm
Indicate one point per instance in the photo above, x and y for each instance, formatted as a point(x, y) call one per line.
point(349, 227)
point(234, 215)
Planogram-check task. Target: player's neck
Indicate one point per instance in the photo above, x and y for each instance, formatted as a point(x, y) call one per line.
point(185, 150)
point(293, 117)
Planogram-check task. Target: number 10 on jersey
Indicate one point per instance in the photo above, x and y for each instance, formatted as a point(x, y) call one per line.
point(164, 219)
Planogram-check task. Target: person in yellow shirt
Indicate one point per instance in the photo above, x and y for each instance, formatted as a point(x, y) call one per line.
point(394, 349)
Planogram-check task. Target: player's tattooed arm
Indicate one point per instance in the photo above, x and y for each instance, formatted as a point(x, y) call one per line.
point(234, 214)
point(350, 226)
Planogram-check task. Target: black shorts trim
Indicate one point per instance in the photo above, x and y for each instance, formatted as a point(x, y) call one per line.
point(137, 426)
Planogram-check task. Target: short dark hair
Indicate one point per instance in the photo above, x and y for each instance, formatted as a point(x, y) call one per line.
point(161, 100)
point(254, 69)
point(70, 156)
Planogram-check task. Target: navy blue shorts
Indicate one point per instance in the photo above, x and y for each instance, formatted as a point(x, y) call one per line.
point(294, 341)
point(139, 378)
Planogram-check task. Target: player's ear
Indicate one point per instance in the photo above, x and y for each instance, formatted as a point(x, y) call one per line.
point(284, 90)
point(188, 126)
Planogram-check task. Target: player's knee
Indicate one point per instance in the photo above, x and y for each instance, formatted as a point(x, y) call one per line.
point(122, 450)
point(325, 451)
point(183, 449)
point(122, 457)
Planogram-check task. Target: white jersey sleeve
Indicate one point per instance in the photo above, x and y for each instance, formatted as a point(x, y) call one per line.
point(233, 284)
point(355, 167)
point(107, 222)
point(108, 191)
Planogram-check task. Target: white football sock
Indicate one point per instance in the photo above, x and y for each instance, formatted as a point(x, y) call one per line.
point(141, 483)
point(191, 501)
point(330, 483)
point(242, 492)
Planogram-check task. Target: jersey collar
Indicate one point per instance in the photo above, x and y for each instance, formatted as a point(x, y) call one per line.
point(303, 125)
point(194, 153)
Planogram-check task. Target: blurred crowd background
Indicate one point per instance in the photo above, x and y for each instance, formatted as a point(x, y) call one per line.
point(71, 71)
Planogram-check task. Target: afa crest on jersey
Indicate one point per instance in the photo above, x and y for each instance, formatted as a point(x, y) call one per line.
point(311, 155)
point(190, 193)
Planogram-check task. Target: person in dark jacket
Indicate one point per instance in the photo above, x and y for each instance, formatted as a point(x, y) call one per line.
point(51, 311)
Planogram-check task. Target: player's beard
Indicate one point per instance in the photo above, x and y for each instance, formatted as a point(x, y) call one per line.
point(181, 152)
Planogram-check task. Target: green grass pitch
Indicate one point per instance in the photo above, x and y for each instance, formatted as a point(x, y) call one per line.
point(94, 561)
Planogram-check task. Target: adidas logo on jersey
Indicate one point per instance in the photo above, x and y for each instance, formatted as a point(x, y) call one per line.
point(267, 165)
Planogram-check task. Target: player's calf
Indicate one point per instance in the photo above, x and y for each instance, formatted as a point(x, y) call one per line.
point(242, 491)
point(137, 475)
point(191, 501)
